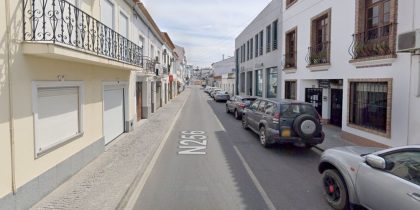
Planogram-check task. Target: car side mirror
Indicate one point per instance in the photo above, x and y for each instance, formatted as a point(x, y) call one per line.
point(376, 162)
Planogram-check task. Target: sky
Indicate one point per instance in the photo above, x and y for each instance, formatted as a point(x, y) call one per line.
point(205, 28)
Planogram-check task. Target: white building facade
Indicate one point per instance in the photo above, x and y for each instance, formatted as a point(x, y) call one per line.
point(258, 52)
point(341, 56)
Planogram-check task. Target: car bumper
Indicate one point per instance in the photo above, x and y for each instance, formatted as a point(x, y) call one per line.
point(276, 138)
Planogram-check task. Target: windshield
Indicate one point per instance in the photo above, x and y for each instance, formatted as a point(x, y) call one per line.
point(294, 110)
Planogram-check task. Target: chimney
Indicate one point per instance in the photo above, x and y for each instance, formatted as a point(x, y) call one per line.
point(223, 57)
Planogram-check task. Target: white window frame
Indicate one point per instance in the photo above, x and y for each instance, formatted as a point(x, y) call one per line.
point(55, 84)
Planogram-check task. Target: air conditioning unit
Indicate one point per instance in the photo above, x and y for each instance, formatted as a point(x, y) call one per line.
point(409, 42)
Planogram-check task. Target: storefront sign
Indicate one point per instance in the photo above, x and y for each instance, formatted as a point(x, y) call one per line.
point(324, 83)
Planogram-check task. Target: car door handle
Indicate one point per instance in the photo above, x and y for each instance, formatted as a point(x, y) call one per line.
point(415, 196)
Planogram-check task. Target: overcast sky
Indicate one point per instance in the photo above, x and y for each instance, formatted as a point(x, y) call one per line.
point(205, 28)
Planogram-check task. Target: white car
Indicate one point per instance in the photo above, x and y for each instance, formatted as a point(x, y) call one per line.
point(373, 178)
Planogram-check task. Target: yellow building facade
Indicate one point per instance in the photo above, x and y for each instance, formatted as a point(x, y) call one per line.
point(65, 95)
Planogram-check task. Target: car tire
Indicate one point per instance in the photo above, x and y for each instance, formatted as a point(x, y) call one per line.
point(335, 189)
point(306, 126)
point(227, 109)
point(244, 123)
point(264, 141)
point(237, 115)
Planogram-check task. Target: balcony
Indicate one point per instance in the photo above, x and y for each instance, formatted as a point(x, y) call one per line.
point(150, 65)
point(375, 42)
point(318, 54)
point(63, 25)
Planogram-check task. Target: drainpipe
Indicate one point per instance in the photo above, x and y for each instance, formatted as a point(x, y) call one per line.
point(11, 116)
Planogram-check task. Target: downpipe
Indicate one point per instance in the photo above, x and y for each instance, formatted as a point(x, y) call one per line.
point(10, 86)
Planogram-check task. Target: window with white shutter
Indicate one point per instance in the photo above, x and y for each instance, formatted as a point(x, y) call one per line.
point(58, 113)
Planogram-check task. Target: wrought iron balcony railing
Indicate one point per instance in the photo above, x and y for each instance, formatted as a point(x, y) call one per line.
point(318, 54)
point(150, 65)
point(373, 42)
point(59, 22)
point(290, 60)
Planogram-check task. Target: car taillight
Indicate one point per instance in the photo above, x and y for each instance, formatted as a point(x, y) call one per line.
point(276, 116)
point(242, 105)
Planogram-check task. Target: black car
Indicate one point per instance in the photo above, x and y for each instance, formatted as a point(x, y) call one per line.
point(237, 104)
point(284, 121)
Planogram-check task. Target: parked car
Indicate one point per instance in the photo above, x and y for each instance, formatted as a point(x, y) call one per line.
point(221, 96)
point(237, 104)
point(214, 91)
point(371, 177)
point(208, 89)
point(284, 121)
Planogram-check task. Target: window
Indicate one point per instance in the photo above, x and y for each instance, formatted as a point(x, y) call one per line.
point(123, 25)
point(261, 107)
point(256, 46)
point(291, 45)
point(258, 82)
point(107, 13)
point(247, 50)
point(369, 105)
point(254, 105)
point(251, 44)
point(270, 108)
point(294, 110)
point(272, 83)
point(406, 165)
point(261, 42)
point(152, 51)
point(57, 108)
point(242, 82)
point(319, 52)
point(268, 34)
point(275, 34)
point(290, 90)
point(290, 3)
point(141, 41)
point(375, 28)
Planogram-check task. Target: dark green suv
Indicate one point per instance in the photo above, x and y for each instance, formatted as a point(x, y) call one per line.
point(284, 121)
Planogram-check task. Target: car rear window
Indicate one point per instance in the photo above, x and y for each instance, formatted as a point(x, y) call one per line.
point(294, 110)
point(248, 100)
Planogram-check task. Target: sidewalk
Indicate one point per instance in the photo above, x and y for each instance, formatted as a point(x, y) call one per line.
point(332, 138)
point(104, 182)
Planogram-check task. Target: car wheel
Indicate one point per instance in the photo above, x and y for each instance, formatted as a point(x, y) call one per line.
point(244, 123)
point(335, 190)
point(263, 137)
point(227, 109)
point(237, 115)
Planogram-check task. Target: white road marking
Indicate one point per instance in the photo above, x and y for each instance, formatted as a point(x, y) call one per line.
point(254, 179)
point(139, 188)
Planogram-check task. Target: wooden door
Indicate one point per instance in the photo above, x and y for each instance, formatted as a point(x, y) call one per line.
point(139, 102)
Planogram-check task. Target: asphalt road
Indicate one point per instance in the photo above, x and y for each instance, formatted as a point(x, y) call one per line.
point(226, 168)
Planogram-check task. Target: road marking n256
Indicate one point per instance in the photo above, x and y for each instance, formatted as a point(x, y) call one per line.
point(193, 143)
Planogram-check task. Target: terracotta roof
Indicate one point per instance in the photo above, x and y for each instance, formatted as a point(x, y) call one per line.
point(168, 40)
point(148, 17)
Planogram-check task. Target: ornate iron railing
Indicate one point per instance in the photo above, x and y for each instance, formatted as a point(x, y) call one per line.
point(373, 42)
point(150, 65)
point(58, 21)
point(318, 54)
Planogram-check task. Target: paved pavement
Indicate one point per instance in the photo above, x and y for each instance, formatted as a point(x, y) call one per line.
point(228, 168)
point(104, 182)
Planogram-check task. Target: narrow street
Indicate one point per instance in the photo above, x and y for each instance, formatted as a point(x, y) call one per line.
point(224, 167)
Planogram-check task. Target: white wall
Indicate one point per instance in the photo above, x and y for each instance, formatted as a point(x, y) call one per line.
point(268, 60)
point(342, 28)
point(224, 66)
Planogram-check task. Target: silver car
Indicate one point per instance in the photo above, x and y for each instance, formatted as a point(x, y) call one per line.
point(221, 96)
point(372, 177)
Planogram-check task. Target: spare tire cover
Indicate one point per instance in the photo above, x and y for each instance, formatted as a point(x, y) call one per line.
point(306, 126)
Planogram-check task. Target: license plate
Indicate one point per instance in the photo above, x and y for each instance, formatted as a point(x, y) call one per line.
point(286, 133)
